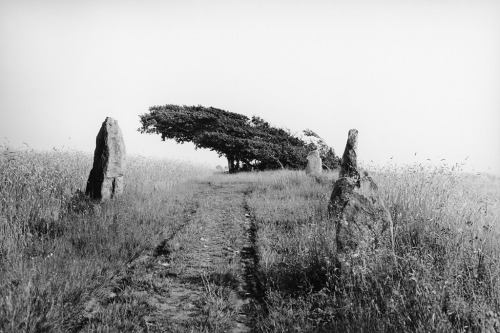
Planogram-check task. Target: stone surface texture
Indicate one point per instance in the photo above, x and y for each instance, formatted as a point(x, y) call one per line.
point(106, 177)
point(362, 222)
point(314, 164)
point(349, 165)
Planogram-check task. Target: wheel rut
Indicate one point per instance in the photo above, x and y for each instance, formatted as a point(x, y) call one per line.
point(252, 290)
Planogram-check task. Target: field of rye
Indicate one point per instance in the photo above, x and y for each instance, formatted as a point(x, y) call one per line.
point(57, 248)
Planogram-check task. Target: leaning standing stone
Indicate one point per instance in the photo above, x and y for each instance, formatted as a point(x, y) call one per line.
point(106, 177)
point(363, 225)
point(314, 165)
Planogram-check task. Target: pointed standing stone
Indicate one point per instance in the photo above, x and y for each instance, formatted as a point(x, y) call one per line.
point(314, 165)
point(349, 165)
point(106, 177)
point(362, 222)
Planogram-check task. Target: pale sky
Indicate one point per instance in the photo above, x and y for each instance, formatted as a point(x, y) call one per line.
point(413, 76)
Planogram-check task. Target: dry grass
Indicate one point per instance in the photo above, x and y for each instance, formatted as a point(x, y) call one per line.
point(57, 248)
point(447, 273)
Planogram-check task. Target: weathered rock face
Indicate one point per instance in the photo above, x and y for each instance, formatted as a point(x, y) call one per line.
point(314, 165)
point(106, 177)
point(349, 165)
point(362, 222)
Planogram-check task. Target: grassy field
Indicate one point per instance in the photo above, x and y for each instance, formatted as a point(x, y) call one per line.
point(446, 244)
point(58, 250)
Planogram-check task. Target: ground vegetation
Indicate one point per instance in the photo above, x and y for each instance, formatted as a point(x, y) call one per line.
point(248, 251)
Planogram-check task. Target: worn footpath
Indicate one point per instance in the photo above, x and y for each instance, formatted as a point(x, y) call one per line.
point(201, 277)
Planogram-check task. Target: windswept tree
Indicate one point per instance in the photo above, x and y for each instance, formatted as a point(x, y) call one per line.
point(244, 142)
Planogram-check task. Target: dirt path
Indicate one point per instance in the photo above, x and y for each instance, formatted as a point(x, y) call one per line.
point(201, 278)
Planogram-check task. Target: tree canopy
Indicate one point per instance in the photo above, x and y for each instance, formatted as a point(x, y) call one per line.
point(246, 143)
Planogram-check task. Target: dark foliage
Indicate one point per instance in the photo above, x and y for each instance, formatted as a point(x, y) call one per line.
point(246, 143)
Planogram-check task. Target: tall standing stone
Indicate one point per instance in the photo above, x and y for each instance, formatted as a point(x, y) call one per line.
point(363, 224)
point(314, 165)
point(106, 177)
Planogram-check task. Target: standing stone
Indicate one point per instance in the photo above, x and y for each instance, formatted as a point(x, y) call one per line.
point(106, 177)
point(314, 165)
point(349, 165)
point(363, 224)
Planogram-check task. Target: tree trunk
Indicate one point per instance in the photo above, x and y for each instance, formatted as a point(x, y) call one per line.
point(230, 164)
point(233, 164)
point(281, 165)
point(277, 160)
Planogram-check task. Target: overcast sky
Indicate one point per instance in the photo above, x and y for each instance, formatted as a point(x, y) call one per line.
point(412, 76)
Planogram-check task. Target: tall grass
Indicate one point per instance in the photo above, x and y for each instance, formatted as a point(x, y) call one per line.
point(446, 244)
point(57, 248)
